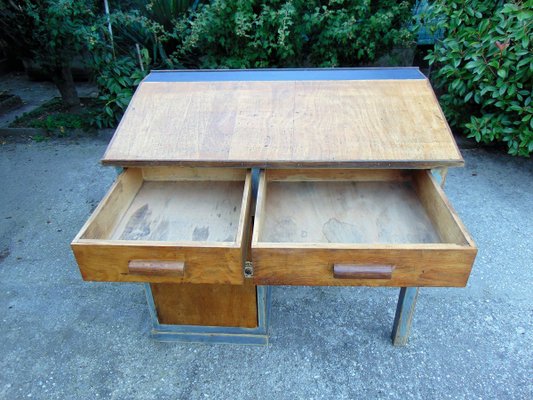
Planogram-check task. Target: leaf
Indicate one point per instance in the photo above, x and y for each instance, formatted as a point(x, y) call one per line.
point(487, 89)
point(522, 62)
point(503, 89)
point(509, 7)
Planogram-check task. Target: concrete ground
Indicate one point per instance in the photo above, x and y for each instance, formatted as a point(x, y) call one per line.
point(63, 338)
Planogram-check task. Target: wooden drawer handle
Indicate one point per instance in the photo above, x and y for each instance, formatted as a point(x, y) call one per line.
point(156, 268)
point(347, 271)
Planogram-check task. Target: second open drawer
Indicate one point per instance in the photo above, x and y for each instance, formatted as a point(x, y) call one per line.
point(169, 224)
point(357, 227)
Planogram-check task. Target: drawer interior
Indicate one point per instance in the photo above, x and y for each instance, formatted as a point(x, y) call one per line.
point(353, 207)
point(173, 205)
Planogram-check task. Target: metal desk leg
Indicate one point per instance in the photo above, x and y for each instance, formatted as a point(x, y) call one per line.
point(404, 315)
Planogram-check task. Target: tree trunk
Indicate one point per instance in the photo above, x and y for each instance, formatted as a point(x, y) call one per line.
point(65, 83)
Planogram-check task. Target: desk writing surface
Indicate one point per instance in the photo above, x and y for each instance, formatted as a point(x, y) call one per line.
point(282, 118)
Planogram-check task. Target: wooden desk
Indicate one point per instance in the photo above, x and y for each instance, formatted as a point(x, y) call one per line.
point(238, 180)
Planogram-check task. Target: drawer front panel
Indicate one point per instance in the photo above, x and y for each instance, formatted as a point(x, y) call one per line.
point(408, 267)
point(112, 263)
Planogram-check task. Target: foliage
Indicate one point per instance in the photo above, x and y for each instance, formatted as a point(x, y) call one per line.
point(50, 33)
point(119, 66)
point(116, 81)
point(348, 33)
point(486, 69)
point(57, 119)
point(140, 42)
point(277, 33)
point(165, 12)
point(61, 122)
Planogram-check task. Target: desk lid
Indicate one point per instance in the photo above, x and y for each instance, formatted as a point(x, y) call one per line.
point(343, 118)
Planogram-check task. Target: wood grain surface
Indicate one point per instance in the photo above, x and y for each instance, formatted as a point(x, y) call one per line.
point(379, 123)
point(207, 305)
point(156, 268)
point(352, 271)
point(402, 219)
point(345, 212)
point(204, 211)
point(415, 265)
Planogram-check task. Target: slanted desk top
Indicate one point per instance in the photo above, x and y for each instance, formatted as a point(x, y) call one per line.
point(343, 118)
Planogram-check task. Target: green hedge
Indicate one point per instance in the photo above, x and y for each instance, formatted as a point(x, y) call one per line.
point(484, 66)
point(290, 33)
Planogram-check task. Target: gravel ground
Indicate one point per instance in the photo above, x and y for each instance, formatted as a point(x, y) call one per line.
point(62, 338)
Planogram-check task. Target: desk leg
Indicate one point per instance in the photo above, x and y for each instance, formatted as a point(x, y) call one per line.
point(408, 295)
point(232, 314)
point(404, 315)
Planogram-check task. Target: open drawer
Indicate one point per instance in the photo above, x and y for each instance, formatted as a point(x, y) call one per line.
point(167, 224)
point(357, 227)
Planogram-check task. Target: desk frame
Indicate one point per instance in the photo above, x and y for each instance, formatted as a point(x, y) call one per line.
point(401, 328)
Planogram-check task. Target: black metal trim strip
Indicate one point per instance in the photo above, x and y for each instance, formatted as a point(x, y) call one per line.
point(269, 75)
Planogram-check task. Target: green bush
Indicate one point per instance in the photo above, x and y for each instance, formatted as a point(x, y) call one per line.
point(118, 64)
point(485, 69)
point(117, 79)
point(292, 33)
point(141, 41)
